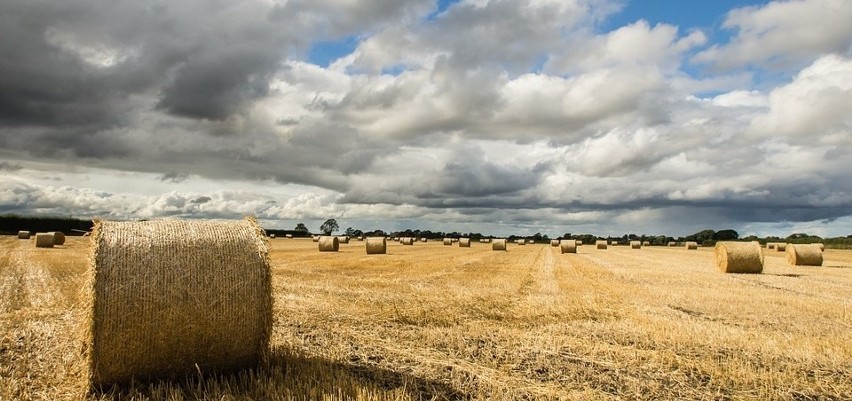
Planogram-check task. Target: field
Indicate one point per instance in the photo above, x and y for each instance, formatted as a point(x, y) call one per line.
point(441, 322)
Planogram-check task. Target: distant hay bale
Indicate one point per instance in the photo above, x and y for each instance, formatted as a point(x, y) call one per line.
point(770, 245)
point(739, 257)
point(315, 238)
point(376, 245)
point(288, 236)
point(328, 243)
point(448, 241)
point(646, 243)
point(672, 243)
point(691, 245)
point(464, 242)
point(170, 298)
point(600, 244)
point(24, 235)
point(344, 239)
point(568, 246)
point(554, 242)
point(781, 246)
point(635, 244)
point(532, 241)
point(804, 254)
point(424, 240)
point(579, 242)
point(272, 235)
point(44, 240)
point(407, 240)
point(58, 237)
point(498, 244)
point(360, 238)
point(485, 240)
point(521, 242)
point(455, 240)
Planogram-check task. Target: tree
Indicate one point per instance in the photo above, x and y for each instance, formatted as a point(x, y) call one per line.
point(301, 227)
point(350, 232)
point(329, 226)
point(726, 235)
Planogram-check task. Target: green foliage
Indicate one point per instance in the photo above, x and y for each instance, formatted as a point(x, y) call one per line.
point(329, 227)
point(301, 227)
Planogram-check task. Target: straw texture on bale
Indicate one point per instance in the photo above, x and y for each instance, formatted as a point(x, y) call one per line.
point(464, 242)
point(328, 243)
point(521, 242)
point(343, 239)
point(498, 245)
point(407, 240)
point(781, 246)
point(554, 242)
point(821, 246)
point(739, 257)
point(635, 244)
point(691, 245)
point(376, 245)
point(448, 241)
point(804, 255)
point(600, 244)
point(568, 246)
point(44, 240)
point(170, 298)
point(23, 235)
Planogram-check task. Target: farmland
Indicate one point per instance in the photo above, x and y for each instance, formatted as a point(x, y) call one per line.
point(430, 321)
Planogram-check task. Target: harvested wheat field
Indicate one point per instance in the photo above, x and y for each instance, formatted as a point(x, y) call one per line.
point(436, 322)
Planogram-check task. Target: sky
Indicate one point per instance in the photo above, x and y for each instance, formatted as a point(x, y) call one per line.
point(495, 116)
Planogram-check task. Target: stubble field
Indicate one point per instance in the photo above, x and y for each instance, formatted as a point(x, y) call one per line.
point(441, 322)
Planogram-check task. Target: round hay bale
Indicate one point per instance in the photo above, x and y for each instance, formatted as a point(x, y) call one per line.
point(739, 257)
point(328, 243)
point(532, 241)
point(58, 237)
point(579, 242)
point(554, 242)
point(169, 298)
point(521, 242)
point(781, 246)
point(424, 240)
point(288, 236)
point(499, 244)
point(407, 241)
point(464, 242)
point(804, 254)
point(448, 241)
point(24, 235)
point(360, 238)
point(315, 238)
point(568, 246)
point(635, 244)
point(672, 243)
point(770, 245)
point(455, 240)
point(600, 244)
point(691, 245)
point(646, 243)
point(272, 235)
point(44, 240)
point(343, 239)
point(376, 245)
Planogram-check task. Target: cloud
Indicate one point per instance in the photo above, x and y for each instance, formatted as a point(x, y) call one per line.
point(783, 34)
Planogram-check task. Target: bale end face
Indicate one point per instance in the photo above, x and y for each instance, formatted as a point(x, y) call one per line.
point(554, 242)
point(171, 298)
point(464, 242)
point(498, 245)
point(691, 245)
point(781, 247)
point(739, 257)
point(635, 245)
point(44, 240)
point(24, 235)
point(448, 241)
point(328, 243)
point(568, 246)
point(804, 255)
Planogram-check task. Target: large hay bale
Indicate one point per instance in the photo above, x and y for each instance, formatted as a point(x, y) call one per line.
point(407, 240)
point(58, 237)
point(691, 245)
point(781, 246)
point(499, 244)
point(328, 243)
point(600, 244)
point(635, 244)
point(24, 235)
point(376, 245)
point(521, 241)
point(44, 240)
point(554, 242)
point(739, 257)
point(170, 298)
point(804, 254)
point(464, 242)
point(344, 239)
point(448, 241)
point(568, 246)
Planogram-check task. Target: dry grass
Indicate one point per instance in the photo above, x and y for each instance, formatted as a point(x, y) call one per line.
point(435, 322)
